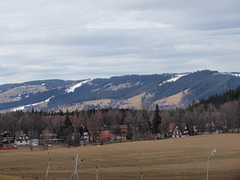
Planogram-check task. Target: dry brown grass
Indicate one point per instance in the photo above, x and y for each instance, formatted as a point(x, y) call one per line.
point(135, 102)
point(101, 102)
point(182, 158)
point(5, 177)
point(174, 100)
point(10, 95)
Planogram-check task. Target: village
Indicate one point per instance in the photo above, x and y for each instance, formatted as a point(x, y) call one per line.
point(82, 135)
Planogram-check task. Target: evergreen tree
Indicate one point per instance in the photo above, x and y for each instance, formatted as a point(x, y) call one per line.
point(67, 130)
point(67, 122)
point(157, 120)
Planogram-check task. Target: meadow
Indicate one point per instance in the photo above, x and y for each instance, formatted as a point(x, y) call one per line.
point(179, 158)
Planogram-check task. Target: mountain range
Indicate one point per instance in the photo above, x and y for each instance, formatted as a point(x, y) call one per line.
point(168, 90)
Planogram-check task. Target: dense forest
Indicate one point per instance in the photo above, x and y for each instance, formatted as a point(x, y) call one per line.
point(223, 109)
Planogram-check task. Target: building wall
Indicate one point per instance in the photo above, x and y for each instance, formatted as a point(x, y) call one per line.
point(22, 142)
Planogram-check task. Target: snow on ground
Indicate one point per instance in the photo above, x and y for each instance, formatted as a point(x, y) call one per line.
point(177, 76)
point(231, 74)
point(235, 74)
point(72, 88)
point(31, 105)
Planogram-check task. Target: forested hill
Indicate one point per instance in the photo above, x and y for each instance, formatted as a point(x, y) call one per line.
point(130, 91)
point(217, 100)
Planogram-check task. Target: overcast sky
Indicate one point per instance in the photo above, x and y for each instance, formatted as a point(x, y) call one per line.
point(79, 39)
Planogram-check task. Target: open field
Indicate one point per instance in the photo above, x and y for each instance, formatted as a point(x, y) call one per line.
point(182, 158)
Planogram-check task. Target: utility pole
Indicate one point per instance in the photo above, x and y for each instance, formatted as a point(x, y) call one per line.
point(214, 151)
point(140, 168)
point(49, 160)
point(75, 173)
point(97, 170)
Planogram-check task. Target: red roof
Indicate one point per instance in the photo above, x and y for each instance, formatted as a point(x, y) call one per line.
point(171, 126)
point(105, 135)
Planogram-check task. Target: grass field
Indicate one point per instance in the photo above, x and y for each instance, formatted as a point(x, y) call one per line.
point(182, 158)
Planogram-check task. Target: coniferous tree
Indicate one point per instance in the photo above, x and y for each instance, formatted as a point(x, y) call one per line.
point(157, 119)
point(67, 131)
point(67, 122)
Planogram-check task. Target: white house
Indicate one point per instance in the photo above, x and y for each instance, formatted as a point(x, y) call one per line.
point(21, 139)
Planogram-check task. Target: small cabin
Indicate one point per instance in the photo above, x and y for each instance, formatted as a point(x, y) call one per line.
point(21, 139)
point(6, 138)
point(84, 134)
point(176, 130)
point(105, 134)
point(120, 132)
point(211, 127)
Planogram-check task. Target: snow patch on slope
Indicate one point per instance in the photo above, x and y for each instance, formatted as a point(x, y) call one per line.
point(31, 105)
point(231, 74)
point(174, 79)
point(235, 74)
point(72, 88)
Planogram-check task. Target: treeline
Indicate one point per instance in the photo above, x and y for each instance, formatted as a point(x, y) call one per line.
point(223, 110)
point(34, 123)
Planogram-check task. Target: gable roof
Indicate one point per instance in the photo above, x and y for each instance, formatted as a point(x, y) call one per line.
point(6, 134)
point(171, 126)
point(18, 134)
point(182, 126)
point(105, 134)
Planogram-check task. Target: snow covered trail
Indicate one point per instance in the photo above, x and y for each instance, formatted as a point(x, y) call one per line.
point(174, 79)
point(72, 88)
point(31, 105)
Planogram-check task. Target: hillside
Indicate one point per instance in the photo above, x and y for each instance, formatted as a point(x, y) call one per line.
point(130, 91)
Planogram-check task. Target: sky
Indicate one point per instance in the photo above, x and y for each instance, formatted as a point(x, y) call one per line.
point(81, 39)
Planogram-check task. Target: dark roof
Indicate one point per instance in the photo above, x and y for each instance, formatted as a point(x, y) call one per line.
point(18, 134)
point(171, 126)
point(181, 126)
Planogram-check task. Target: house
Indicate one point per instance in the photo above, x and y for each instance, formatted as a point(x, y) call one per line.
point(105, 134)
point(176, 130)
point(6, 141)
point(84, 133)
point(120, 132)
point(6, 138)
point(211, 127)
point(21, 139)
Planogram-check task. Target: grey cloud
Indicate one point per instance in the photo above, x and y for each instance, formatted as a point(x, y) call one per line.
point(80, 39)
